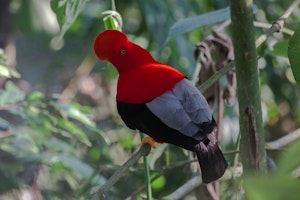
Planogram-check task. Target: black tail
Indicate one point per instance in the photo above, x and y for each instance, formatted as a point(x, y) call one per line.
point(211, 159)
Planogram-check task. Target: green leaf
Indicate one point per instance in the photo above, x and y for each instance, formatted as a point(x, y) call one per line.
point(279, 49)
point(288, 160)
point(81, 169)
point(59, 145)
point(8, 73)
point(191, 23)
point(35, 97)
point(275, 188)
point(94, 153)
point(66, 12)
point(11, 94)
point(293, 54)
point(39, 122)
point(5, 70)
point(3, 65)
point(71, 111)
point(112, 20)
point(74, 130)
point(8, 172)
point(281, 184)
point(76, 114)
point(127, 140)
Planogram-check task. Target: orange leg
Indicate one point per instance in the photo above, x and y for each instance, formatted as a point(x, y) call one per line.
point(150, 141)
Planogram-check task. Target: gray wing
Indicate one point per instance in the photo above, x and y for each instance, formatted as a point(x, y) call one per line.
point(183, 109)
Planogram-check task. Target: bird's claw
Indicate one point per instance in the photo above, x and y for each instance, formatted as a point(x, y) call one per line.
point(150, 141)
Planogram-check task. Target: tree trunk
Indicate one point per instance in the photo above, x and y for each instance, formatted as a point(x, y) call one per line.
point(252, 144)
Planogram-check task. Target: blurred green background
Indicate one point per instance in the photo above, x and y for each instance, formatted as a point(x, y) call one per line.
point(60, 134)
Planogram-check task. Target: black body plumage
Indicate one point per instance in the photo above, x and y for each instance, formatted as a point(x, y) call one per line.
point(211, 159)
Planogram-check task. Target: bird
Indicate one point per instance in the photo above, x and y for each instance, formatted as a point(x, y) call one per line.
point(160, 101)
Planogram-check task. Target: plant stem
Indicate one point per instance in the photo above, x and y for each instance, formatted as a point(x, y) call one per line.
point(113, 5)
point(252, 146)
point(204, 86)
point(147, 174)
point(147, 178)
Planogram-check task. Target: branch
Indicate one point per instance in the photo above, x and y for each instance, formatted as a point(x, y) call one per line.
point(277, 26)
point(204, 86)
point(9, 106)
point(144, 150)
point(283, 141)
point(233, 172)
point(268, 25)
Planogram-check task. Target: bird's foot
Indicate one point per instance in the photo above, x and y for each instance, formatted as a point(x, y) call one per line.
point(150, 141)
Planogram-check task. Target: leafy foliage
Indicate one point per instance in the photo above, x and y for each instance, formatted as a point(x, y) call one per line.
point(260, 188)
point(191, 23)
point(5, 70)
point(280, 184)
point(293, 53)
point(66, 12)
point(45, 131)
point(287, 164)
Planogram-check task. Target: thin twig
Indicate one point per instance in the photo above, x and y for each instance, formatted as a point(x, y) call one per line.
point(204, 86)
point(233, 172)
point(9, 106)
point(184, 189)
point(268, 25)
point(144, 150)
point(278, 24)
point(283, 141)
point(289, 11)
point(197, 69)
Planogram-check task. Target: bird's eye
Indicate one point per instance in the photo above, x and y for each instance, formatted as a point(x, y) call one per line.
point(122, 51)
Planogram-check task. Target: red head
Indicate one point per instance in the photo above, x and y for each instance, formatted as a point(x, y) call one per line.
point(114, 46)
point(110, 43)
